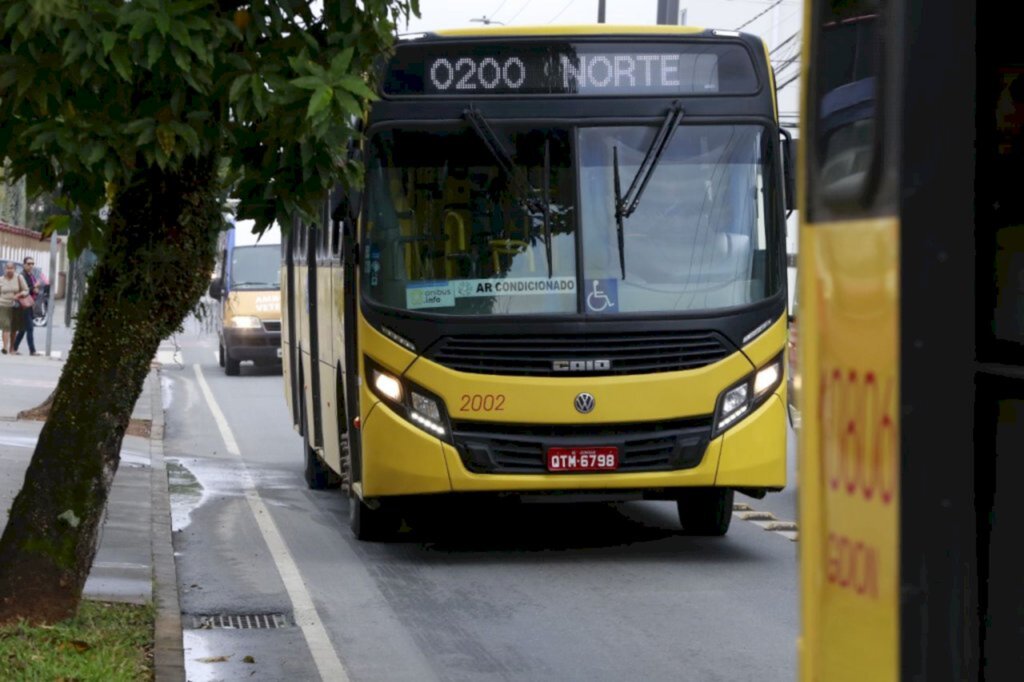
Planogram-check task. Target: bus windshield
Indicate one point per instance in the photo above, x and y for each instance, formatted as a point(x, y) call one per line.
point(699, 237)
point(256, 267)
point(449, 231)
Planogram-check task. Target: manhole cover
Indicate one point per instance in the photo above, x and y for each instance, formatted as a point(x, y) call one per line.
point(243, 621)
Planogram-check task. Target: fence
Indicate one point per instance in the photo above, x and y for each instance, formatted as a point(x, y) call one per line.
point(17, 243)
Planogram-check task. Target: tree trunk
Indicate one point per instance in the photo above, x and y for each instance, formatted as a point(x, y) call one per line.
point(157, 260)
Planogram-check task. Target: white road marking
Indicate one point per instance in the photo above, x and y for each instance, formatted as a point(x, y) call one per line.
point(216, 357)
point(306, 617)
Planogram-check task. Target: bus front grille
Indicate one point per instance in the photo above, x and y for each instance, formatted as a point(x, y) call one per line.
point(580, 354)
point(519, 449)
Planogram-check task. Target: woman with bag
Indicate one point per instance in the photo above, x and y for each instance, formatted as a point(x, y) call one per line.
point(25, 324)
point(12, 290)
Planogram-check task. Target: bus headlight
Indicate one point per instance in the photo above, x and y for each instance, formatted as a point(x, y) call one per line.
point(767, 378)
point(245, 322)
point(415, 404)
point(426, 414)
point(387, 385)
point(743, 398)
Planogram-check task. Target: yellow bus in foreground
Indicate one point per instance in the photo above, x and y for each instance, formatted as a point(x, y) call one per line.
point(911, 325)
point(566, 274)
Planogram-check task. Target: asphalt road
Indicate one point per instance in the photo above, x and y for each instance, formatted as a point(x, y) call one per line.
point(534, 592)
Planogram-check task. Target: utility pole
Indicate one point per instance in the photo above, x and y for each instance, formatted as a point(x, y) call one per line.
point(600, 11)
point(668, 12)
point(49, 293)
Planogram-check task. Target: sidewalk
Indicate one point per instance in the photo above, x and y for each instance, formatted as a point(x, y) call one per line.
point(135, 556)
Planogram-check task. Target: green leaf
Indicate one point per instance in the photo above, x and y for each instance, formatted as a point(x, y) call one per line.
point(259, 94)
point(108, 38)
point(181, 58)
point(348, 103)
point(138, 125)
point(93, 153)
point(122, 62)
point(154, 49)
point(141, 27)
point(319, 101)
point(7, 79)
point(357, 86)
point(187, 133)
point(163, 23)
point(180, 33)
point(308, 82)
point(14, 14)
point(339, 65)
point(237, 85)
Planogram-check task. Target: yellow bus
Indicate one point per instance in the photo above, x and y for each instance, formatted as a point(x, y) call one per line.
point(565, 277)
point(911, 341)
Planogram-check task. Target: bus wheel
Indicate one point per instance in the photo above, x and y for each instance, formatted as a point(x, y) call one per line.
point(318, 474)
point(232, 367)
point(705, 511)
point(220, 354)
point(372, 525)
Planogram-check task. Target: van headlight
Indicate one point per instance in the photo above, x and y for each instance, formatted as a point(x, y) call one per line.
point(245, 322)
point(742, 398)
point(414, 403)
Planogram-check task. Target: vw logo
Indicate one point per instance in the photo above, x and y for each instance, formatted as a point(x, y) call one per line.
point(584, 403)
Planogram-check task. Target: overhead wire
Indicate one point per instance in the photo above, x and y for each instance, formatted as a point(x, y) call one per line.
point(760, 14)
point(560, 12)
point(498, 9)
point(525, 5)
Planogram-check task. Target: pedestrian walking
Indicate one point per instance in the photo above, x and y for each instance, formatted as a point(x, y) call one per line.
point(26, 327)
point(12, 289)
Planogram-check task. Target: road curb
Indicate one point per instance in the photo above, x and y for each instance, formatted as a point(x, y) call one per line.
point(168, 648)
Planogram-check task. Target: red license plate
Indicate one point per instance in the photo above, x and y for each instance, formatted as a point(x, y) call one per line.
point(583, 459)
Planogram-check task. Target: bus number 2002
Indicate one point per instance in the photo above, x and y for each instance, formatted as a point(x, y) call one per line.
point(477, 402)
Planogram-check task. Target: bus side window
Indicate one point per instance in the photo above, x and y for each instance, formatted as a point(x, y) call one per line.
point(848, 47)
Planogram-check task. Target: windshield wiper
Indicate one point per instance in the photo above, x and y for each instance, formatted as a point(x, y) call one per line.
point(626, 205)
point(520, 186)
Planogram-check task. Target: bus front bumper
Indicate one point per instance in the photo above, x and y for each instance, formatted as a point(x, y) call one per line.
point(400, 459)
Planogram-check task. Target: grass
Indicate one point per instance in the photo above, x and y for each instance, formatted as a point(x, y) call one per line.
point(103, 642)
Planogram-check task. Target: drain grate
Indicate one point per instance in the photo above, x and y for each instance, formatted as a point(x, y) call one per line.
point(244, 621)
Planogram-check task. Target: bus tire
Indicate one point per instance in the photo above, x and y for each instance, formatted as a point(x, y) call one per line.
point(318, 474)
point(706, 511)
point(372, 525)
point(232, 367)
point(220, 354)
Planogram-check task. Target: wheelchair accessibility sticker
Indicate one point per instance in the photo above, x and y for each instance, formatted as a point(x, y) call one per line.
point(602, 295)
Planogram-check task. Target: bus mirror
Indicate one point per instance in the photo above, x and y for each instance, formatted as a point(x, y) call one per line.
point(216, 288)
point(789, 152)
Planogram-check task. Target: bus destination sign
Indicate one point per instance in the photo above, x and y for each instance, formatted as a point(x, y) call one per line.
point(587, 69)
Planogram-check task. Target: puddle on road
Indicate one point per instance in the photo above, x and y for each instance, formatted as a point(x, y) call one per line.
point(186, 494)
point(193, 485)
point(166, 392)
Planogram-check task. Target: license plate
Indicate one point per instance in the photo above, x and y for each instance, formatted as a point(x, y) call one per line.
point(278, 353)
point(583, 459)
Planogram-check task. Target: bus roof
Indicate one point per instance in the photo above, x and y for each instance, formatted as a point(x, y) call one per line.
point(579, 30)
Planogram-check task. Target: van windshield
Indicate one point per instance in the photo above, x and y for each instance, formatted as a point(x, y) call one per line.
point(256, 267)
